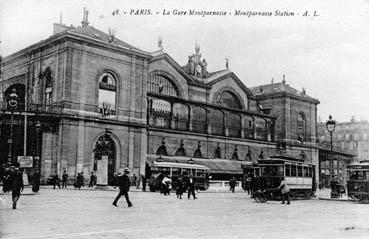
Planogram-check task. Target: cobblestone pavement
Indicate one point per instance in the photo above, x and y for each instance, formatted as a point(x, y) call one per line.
point(89, 214)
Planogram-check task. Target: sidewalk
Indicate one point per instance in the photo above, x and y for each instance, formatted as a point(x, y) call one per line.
point(325, 194)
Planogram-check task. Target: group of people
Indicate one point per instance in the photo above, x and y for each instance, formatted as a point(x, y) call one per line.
point(182, 185)
point(80, 180)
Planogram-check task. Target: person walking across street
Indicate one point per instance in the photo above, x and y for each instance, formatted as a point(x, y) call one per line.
point(56, 180)
point(191, 187)
point(124, 184)
point(65, 178)
point(284, 191)
point(36, 182)
point(179, 188)
point(143, 179)
point(166, 185)
point(232, 184)
point(92, 180)
point(17, 186)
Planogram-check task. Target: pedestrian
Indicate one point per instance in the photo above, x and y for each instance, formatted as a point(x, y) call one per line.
point(56, 180)
point(82, 178)
point(191, 187)
point(284, 191)
point(179, 188)
point(166, 185)
point(124, 184)
point(232, 184)
point(92, 180)
point(65, 178)
point(36, 182)
point(17, 186)
point(138, 182)
point(7, 183)
point(134, 179)
point(248, 184)
point(78, 182)
point(143, 179)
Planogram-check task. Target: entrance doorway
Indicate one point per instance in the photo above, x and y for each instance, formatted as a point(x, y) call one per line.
point(105, 146)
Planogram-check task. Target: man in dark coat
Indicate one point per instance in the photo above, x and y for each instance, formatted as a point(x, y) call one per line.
point(65, 178)
point(124, 184)
point(56, 180)
point(232, 184)
point(191, 187)
point(36, 182)
point(17, 186)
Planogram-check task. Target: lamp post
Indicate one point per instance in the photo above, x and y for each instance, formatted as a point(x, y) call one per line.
point(12, 103)
point(331, 125)
point(38, 162)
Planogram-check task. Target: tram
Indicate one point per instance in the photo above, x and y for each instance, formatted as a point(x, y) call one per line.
point(162, 166)
point(267, 174)
point(358, 181)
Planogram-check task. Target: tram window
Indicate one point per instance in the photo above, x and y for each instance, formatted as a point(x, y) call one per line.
point(200, 173)
point(186, 171)
point(299, 171)
point(306, 172)
point(310, 172)
point(176, 171)
point(293, 170)
point(288, 170)
point(273, 171)
point(360, 175)
point(280, 171)
point(263, 171)
point(164, 170)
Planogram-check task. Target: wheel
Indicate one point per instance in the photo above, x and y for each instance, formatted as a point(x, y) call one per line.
point(263, 197)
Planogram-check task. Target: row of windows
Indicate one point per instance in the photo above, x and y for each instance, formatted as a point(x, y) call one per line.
point(162, 113)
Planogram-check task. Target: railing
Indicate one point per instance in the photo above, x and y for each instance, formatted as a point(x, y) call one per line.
point(34, 108)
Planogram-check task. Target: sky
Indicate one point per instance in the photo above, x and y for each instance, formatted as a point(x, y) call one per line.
point(327, 54)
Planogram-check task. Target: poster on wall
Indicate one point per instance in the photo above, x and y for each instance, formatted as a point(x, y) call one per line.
point(25, 161)
point(102, 171)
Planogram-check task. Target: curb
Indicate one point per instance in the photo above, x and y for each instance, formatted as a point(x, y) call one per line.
point(337, 200)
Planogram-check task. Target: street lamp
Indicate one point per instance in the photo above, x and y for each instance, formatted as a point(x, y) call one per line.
point(331, 125)
point(38, 162)
point(12, 103)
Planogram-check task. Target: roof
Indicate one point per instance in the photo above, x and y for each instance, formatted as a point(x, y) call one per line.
point(94, 33)
point(278, 88)
point(215, 165)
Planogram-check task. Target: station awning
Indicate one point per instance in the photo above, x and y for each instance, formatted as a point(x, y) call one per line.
point(223, 166)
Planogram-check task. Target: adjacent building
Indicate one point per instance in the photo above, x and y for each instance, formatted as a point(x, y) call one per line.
point(96, 96)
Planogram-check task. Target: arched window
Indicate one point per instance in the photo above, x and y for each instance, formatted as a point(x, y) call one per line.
point(107, 94)
point(249, 127)
point(229, 100)
point(198, 119)
point(159, 113)
point(216, 122)
point(161, 85)
point(233, 124)
point(301, 126)
point(260, 128)
point(48, 91)
point(180, 116)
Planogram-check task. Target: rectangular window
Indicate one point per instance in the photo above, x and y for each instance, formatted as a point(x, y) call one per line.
point(306, 172)
point(310, 172)
point(299, 171)
point(288, 170)
point(293, 171)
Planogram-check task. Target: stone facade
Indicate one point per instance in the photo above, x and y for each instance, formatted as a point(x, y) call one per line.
point(91, 91)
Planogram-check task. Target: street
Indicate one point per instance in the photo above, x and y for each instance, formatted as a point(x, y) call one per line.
point(89, 214)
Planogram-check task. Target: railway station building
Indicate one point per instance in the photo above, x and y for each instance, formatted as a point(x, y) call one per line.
point(83, 94)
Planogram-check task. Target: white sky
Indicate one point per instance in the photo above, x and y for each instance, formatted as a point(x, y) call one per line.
point(328, 55)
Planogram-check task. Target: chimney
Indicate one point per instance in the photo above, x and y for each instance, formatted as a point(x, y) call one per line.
point(85, 18)
point(284, 80)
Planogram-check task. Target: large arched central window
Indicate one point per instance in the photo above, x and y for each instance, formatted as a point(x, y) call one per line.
point(229, 100)
point(107, 94)
point(161, 85)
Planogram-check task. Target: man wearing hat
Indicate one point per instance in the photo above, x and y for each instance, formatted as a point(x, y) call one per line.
point(124, 185)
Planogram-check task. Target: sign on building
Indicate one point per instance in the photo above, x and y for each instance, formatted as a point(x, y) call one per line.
point(102, 171)
point(25, 161)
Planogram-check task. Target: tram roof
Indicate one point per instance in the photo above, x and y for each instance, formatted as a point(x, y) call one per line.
point(282, 160)
point(225, 166)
